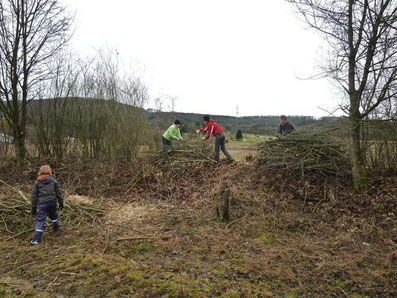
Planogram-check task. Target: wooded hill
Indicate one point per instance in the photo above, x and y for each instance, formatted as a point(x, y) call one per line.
point(260, 125)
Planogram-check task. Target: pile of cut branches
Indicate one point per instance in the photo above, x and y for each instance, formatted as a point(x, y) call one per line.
point(15, 208)
point(301, 156)
point(184, 159)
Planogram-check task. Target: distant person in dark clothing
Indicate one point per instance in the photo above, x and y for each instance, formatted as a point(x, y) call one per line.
point(46, 194)
point(214, 129)
point(285, 127)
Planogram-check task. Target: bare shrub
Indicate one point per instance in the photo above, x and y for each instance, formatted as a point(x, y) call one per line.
point(89, 109)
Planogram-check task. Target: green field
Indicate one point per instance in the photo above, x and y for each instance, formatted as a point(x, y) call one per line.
point(241, 149)
point(248, 139)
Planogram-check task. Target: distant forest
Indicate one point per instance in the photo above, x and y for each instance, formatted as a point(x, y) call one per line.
point(89, 119)
point(260, 125)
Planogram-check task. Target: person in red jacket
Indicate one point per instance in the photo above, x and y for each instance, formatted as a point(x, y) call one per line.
point(214, 129)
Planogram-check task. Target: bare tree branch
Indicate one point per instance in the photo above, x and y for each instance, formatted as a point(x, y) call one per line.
point(31, 32)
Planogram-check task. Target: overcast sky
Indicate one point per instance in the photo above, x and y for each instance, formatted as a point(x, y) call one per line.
point(212, 55)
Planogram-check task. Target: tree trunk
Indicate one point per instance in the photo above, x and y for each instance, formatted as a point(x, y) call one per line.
point(360, 180)
point(226, 206)
point(19, 143)
point(226, 197)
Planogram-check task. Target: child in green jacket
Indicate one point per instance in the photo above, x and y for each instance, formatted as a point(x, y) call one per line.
point(172, 133)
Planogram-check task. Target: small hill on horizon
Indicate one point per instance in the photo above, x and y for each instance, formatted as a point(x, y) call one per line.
point(260, 125)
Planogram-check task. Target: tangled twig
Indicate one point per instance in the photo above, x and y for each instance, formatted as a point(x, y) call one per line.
point(15, 213)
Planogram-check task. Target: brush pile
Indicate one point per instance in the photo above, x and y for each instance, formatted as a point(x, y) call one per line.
point(15, 208)
point(301, 156)
point(184, 159)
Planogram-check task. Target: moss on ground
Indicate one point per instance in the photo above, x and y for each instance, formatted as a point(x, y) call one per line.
point(274, 246)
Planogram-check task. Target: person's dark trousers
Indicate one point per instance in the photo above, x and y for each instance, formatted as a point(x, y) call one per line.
point(167, 145)
point(46, 209)
point(220, 144)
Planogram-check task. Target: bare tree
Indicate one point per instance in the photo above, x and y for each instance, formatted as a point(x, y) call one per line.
point(31, 32)
point(362, 38)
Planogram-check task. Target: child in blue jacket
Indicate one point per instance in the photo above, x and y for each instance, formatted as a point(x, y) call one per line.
point(45, 195)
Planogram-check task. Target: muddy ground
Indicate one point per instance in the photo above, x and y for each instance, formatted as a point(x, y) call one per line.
point(162, 237)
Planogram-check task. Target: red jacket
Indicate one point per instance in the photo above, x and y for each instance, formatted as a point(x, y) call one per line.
point(212, 128)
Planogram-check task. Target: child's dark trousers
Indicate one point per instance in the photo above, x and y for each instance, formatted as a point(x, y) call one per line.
point(46, 209)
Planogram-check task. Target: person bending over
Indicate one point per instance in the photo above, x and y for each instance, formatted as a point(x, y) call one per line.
point(172, 133)
point(214, 129)
point(285, 127)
